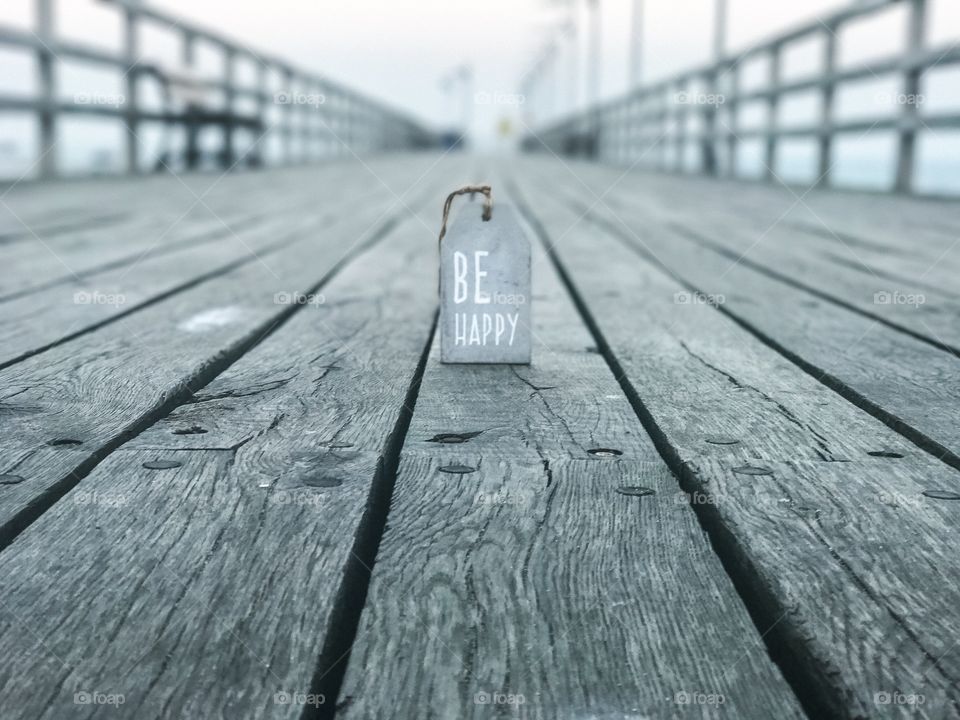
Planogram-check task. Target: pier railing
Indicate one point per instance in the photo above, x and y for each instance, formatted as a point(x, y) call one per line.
point(312, 108)
point(696, 114)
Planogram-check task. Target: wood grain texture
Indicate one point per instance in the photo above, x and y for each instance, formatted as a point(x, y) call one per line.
point(230, 585)
point(849, 631)
point(175, 215)
point(36, 321)
point(101, 387)
point(209, 589)
point(531, 586)
point(775, 231)
point(169, 213)
point(914, 387)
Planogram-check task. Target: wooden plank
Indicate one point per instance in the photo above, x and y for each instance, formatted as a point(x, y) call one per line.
point(188, 222)
point(53, 209)
point(37, 321)
point(908, 288)
point(102, 387)
point(916, 307)
point(61, 224)
point(816, 508)
point(529, 584)
point(912, 387)
point(68, 258)
point(79, 201)
point(211, 589)
point(909, 236)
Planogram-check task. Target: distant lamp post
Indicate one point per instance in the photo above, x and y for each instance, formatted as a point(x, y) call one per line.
point(568, 32)
point(466, 77)
point(593, 52)
point(636, 45)
point(462, 77)
point(720, 30)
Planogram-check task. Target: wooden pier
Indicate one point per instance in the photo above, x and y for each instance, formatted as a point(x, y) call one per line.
point(236, 481)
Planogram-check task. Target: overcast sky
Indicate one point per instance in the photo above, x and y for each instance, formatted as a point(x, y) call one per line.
point(399, 50)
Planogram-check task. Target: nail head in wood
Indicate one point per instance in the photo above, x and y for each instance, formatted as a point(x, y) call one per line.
point(721, 440)
point(635, 490)
point(942, 494)
point(59, 442)
point(752, 470)
point(161, 464)
point(605, 452)
point(323, 482)
point(457, 469)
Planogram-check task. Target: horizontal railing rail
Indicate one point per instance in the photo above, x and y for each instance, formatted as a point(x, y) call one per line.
point(347, 120)
point(627, 128)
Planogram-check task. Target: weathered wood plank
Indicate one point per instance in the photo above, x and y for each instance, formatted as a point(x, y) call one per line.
point(101, 387)
point(56, 209)
point(908, 285)
point(211, 589)
point(34, 322)
point(913, 387)
point(529, 584)
point(916, 307)
point(898, 228)
point(183, 222)
point(804, 516)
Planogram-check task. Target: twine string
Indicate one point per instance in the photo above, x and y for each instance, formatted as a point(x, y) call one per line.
point(472, 189)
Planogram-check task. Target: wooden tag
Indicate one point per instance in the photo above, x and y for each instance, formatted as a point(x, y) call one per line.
point(485, 289)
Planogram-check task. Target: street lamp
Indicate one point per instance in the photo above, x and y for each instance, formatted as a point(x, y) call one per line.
point(636, 45)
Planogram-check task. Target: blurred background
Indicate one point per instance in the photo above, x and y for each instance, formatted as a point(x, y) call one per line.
point(103, 87)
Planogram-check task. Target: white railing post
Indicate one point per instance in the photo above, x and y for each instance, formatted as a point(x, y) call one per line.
point(47, 113)
point(909, 115)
